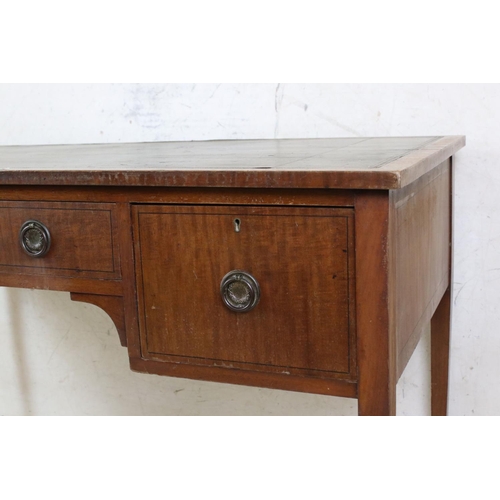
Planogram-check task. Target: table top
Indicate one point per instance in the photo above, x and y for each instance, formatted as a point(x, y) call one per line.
point(341, 163)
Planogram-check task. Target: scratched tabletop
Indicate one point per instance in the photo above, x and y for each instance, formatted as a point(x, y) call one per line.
point(337, 163)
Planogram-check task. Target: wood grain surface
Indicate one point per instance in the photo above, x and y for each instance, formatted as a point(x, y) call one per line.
point(350, 163)
point(82, 234)
point(440, 351)
point(421, 216)
point(300, 257)
point(289, 382)
point(374, 298)
point(202, 196)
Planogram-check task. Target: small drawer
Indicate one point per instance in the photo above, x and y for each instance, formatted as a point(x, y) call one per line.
point(266, 289)
point(59, 239)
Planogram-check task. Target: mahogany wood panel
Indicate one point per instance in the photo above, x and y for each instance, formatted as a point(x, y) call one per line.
point(56, 283)
point(111, 305)
point(421, 217)
point(327, 387)
point(129, 282)
point(203, 196)
point(352, 163)
point(440, 349)
point(300, 258)
point(375, 330)
point(82, 237)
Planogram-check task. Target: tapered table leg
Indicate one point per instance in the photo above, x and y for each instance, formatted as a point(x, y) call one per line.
point(440, 351)
point(375, 339)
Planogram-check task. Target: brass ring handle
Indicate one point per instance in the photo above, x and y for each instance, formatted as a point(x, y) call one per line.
point(240, 291)
point(34, 238)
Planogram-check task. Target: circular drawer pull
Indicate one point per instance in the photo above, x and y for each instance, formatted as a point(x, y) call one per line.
point(240, 291)
point(34, 238)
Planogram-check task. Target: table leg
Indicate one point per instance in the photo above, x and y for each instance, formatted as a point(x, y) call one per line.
point(375, 336)
point(440, 351)
point(380, 399)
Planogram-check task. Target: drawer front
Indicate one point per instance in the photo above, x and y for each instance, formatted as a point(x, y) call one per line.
point(82, 239)
point(301, 261)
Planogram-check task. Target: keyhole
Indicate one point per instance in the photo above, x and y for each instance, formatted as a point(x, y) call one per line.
point(237, 225)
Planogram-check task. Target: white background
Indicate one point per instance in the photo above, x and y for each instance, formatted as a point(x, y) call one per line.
point(60, 357)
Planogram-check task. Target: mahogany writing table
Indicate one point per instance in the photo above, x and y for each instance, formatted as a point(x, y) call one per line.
point(307, 265)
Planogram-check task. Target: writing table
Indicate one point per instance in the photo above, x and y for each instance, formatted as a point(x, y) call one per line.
point(307, 265)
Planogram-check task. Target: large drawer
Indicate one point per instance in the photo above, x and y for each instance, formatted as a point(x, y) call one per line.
point(300, 258)
point(82, 239)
